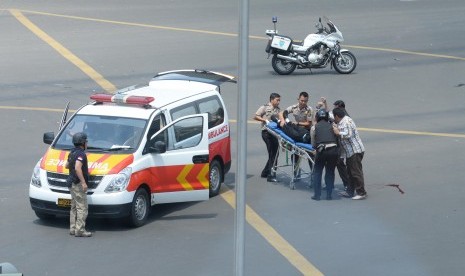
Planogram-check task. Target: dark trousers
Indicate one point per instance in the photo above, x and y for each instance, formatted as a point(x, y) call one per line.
point(355, 171)
point(342, 170)
point(327, 160)
point(272, 148)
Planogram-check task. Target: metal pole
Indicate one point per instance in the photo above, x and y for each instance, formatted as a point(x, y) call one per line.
point(241, 176)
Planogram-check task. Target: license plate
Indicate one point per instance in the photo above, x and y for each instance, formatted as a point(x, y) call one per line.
point(64, 202)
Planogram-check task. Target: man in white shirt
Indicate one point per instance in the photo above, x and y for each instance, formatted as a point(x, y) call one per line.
point(353, 151)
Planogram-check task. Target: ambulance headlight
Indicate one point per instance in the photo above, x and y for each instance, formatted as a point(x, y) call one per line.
point(35, 179)
point(119, 181)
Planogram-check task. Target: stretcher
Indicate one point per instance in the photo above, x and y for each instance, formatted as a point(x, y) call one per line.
point(288, 145)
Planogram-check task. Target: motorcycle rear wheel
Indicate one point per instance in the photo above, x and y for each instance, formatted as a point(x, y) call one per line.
point(345, 63)
point(281, 66)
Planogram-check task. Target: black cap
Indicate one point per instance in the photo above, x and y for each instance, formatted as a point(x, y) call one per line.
point(340, 103)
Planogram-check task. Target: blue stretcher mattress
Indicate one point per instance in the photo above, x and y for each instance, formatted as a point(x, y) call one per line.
point(274, 127)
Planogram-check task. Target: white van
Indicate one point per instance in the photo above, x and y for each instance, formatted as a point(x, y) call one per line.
point(168, 141)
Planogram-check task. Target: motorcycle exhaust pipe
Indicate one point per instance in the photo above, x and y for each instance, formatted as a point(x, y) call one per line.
point(288, 58)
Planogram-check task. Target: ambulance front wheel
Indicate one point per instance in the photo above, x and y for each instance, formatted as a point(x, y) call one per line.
point(140, 208)
point(216, 176)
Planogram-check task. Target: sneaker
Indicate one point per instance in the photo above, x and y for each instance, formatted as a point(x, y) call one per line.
point(84, 234)
point(359, 197)
point(272, 179)
point(71, 232)
point(346, 194)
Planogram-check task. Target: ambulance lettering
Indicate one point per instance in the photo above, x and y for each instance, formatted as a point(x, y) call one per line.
point(99, 166)
point(217, 132)
point(56, 162)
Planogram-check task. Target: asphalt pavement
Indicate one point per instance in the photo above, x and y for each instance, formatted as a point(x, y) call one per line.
point(406, 95)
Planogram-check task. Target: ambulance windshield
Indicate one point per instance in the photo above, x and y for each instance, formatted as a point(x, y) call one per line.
point(104, 133)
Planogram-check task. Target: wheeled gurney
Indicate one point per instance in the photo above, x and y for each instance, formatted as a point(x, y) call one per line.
point(291, 147)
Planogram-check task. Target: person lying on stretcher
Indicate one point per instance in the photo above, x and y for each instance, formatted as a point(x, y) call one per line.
point(298, 134)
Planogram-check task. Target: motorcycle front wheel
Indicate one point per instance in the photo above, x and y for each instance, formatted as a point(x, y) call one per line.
point(345, 63)
point(281, 66)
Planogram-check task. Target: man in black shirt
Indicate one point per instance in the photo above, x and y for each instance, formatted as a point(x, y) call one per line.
point(77, 181)
point(325, 141)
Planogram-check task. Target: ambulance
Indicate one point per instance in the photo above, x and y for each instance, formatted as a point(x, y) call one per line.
point(168, 141)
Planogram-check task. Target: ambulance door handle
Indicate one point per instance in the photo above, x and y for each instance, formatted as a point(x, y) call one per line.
point(199, 159)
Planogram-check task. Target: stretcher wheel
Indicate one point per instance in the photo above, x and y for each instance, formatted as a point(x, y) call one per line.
point(292, 185)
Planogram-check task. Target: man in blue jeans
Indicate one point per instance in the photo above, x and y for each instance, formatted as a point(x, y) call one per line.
point(325, 142)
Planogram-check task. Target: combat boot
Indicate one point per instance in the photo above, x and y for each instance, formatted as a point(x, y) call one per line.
point(84, 234)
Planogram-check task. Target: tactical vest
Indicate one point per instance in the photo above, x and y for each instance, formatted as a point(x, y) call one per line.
point(324, 133)
point(72, 178)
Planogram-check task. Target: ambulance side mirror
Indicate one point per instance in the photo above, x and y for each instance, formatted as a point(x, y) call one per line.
point(48, 137)
point(154, 146)
point(159, 147)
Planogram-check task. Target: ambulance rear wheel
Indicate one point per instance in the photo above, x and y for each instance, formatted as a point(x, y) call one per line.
point(140, 208)
point(216, 177)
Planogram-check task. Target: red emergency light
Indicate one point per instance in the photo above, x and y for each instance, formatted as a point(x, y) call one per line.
point(121, 98)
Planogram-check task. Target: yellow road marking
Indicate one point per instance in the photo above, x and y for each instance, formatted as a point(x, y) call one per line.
point(273, 237)
point(404, 52)
point(89, 71)
point(34, 108)
point(454, 135)
point(395, 131)
point(131, 24)
point(230, 34)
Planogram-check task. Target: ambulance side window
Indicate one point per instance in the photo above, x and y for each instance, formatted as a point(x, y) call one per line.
point(158, 123)
point(183, 134)
point(187, 133)
point(185, 110)
point(213, 107)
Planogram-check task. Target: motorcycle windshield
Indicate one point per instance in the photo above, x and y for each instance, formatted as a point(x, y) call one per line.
point(328, 25)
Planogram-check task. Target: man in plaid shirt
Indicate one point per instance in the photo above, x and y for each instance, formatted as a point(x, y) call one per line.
point(353, 150)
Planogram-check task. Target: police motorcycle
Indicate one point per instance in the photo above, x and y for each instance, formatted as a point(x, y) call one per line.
point(318, 50)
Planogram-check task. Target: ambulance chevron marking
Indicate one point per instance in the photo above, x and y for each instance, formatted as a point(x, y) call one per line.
point(203, 178)
point(182, 177)
point(98, 164)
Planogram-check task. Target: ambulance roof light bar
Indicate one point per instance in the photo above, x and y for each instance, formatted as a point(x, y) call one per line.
point(122, 99)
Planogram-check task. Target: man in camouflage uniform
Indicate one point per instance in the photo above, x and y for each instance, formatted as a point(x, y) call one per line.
point(263, 115)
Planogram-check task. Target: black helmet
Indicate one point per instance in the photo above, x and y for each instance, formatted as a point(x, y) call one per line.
point(321, 115)
point(79, 138)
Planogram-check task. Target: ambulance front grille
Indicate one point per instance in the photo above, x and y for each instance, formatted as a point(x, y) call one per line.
point(59, 180)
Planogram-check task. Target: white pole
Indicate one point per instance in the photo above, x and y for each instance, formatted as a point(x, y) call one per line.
point(241, 176)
